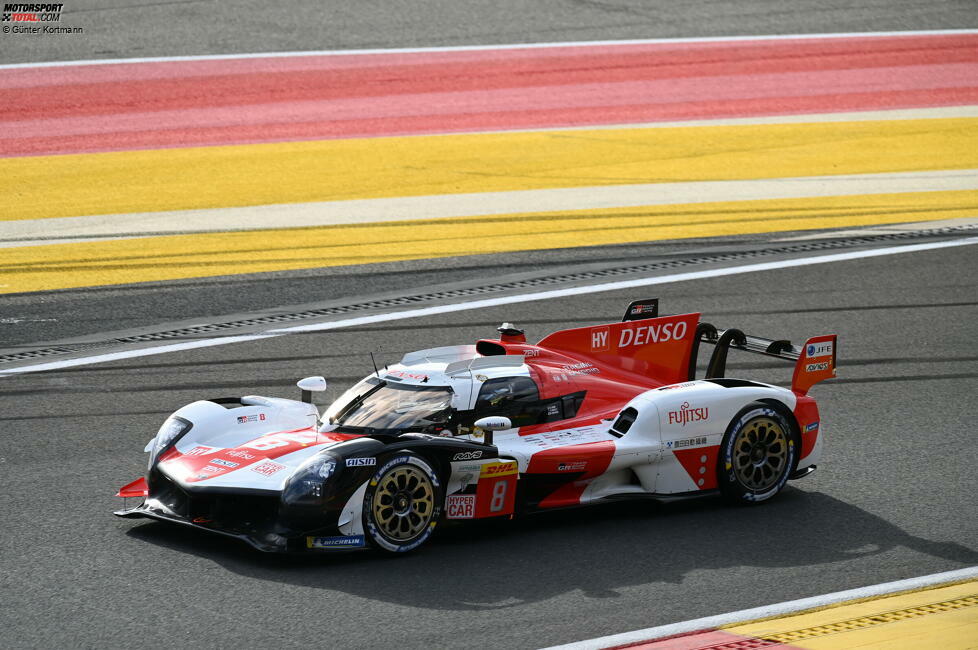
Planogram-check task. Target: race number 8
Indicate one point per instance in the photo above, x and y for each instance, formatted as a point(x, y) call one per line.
point(498, 496)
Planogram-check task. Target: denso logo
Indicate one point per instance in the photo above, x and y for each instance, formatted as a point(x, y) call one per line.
point(686, 414)
point(652, 334)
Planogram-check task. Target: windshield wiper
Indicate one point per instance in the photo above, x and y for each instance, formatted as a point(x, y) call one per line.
point(357, 402)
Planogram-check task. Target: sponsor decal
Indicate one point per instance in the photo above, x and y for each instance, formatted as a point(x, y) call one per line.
point(283, 440)
point(225, 463)
point(481, 378)
point(688, 442)
point(815, 367)
point(468, 455)
point(408, 375)
point(812, 426)
point(674, 386)
point(572, 467)
point(645, 309)
point(498, 469)
point(599, 339)
point(460, 506)
point(353, 541)
point(661, 333)
point(469, 468)
point(360, 462)
point(819, 349)
point(201, 450)
point(211, 469)
point(243, 455)
point(553, 409)
point(531, 353)
point(267, 467)
point(583, 368)
point(687, 414)
point(255, 417)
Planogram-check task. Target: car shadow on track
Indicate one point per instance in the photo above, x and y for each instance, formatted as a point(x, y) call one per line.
point(596, 550)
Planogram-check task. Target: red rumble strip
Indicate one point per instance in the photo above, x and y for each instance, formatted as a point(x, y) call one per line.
point(148, 105)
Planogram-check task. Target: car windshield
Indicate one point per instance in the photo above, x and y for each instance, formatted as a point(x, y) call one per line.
point(396, 406)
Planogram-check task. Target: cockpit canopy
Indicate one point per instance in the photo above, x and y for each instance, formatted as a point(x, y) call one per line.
point(388, 405)
point(391, 404)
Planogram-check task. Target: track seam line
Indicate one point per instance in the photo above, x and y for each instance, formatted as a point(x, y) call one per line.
point(489, 302)
point(478, 48)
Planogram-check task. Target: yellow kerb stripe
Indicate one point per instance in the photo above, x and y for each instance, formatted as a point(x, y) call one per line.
point(299, 172)
point(62, 266)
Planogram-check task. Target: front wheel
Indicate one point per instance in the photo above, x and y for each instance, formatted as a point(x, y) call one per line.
point(402, 504)
point(756, 455)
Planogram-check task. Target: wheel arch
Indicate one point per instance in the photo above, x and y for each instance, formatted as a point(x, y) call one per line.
point(789, 415)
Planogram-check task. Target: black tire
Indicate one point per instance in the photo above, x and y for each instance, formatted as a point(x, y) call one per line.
point(757, 454)
point(402, 504)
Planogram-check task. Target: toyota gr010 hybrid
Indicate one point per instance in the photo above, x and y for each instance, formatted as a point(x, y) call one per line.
point(498, 428)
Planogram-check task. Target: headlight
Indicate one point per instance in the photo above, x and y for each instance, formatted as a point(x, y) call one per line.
point(172, 430)
point(307, 485)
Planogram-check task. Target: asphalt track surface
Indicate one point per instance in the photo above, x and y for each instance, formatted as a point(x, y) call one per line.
point(893, 498)
point(144, 28)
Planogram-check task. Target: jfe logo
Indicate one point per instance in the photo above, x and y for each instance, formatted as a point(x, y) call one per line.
point(819, 349)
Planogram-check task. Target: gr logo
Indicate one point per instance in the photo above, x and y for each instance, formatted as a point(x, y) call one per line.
point(599, 339)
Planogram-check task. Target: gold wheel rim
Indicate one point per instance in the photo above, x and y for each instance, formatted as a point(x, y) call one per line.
point(403, 503)
point(760, 453)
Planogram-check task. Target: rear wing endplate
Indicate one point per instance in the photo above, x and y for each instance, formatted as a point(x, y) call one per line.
point(814, 362)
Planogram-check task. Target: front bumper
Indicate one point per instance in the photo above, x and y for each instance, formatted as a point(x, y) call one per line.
point(251, 518)
point(269, 542)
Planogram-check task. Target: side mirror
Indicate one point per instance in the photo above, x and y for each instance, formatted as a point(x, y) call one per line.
point(311, 385)
point(494, 423)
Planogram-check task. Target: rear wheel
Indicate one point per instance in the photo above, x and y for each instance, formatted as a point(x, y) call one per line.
point(756, 455)
point(402, 504)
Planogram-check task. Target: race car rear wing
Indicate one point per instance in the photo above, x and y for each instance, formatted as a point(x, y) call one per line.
point(814, 361)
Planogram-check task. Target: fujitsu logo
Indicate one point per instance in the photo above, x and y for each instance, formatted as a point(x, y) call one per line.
point(686, 414)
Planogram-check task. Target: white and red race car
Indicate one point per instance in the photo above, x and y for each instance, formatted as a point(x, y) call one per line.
point(495, 429)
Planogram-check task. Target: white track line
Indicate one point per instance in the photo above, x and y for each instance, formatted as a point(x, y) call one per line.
point(476, 48)
point(33, 232)
point(488, 302)
point(779, 609)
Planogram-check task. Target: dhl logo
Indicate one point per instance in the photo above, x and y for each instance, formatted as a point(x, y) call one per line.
point(498, 469)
